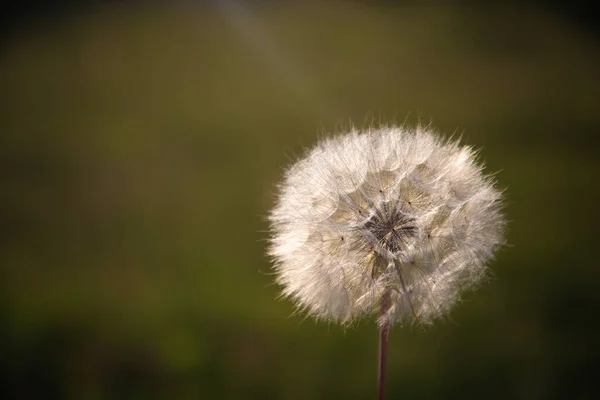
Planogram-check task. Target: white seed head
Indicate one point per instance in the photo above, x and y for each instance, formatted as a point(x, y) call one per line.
point(390, 222)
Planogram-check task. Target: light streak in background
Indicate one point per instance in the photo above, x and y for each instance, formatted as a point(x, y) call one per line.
point(287, 70)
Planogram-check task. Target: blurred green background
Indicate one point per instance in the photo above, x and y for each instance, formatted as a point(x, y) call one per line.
point(140, 150)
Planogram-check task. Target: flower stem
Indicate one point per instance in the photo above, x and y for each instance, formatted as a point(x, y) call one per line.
point(384, 332)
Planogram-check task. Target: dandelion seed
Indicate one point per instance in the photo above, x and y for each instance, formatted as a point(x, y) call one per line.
point(390, 223)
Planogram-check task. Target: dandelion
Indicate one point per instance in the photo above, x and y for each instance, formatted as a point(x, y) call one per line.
point(391, 223)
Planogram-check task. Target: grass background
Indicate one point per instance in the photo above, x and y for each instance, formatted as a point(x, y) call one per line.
point(140, 149)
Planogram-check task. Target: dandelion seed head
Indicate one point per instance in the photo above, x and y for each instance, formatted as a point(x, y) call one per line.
point(390, 212)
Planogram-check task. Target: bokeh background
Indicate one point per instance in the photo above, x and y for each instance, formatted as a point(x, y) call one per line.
point(140, 148)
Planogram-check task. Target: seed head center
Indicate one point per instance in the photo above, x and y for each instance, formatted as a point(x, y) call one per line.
point(390, 227)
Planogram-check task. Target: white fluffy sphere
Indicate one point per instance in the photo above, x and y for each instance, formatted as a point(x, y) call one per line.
point(390, 222)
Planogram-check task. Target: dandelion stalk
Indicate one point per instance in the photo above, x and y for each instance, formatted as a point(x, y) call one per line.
point(384, 333)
